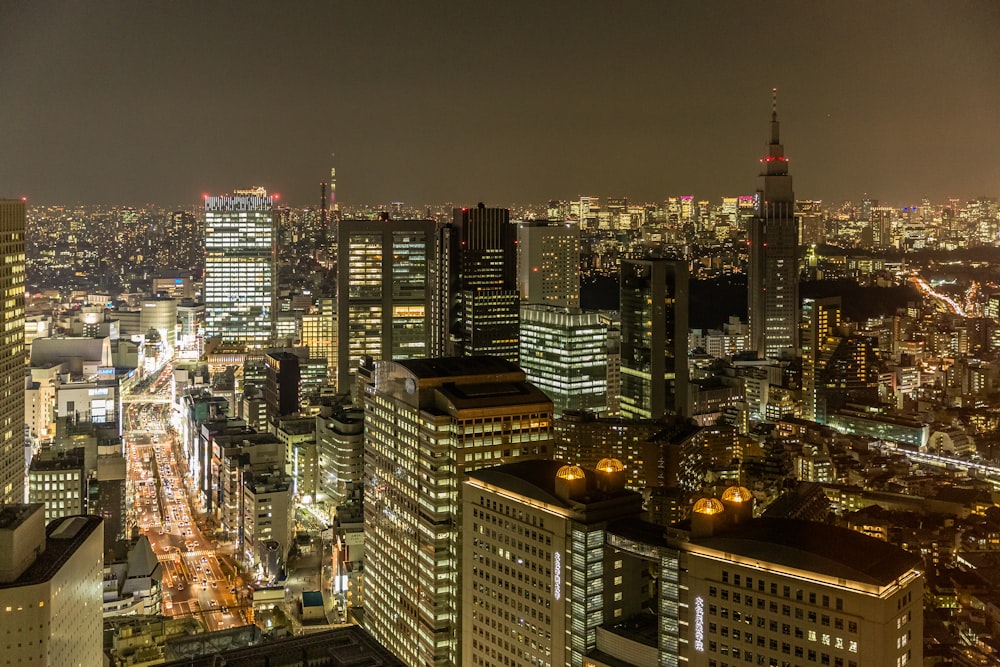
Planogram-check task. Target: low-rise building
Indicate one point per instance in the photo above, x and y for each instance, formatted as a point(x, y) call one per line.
point(134, 587)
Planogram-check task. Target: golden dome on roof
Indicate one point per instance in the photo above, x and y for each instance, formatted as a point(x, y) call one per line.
point(708, 506)
point(610, 465)
point(737, 494)
point(570, 472)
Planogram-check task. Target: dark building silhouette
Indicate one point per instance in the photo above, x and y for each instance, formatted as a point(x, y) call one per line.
point(478, 304)
point(281, 385)
point(654, 336)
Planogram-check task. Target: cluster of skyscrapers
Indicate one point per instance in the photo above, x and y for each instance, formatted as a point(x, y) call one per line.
point(452, 347)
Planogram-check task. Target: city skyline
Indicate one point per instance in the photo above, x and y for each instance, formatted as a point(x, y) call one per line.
point(161, 103)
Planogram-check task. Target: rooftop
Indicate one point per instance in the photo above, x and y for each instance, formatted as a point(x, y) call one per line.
point(63, 537)
point(803, 545)
point(297, 426)
point(496, 394)
point(536, 480)
point(343, 646)
point(443, 367)
point(11, 516)
point(816, 547)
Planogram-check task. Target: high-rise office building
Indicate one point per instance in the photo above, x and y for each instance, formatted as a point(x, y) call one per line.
point(564, 352)
point(536, 583)
point(51, 588)
point(282, 386)
point(240, 275)
point(839, 366)
point(809, 214)
point(548, 263)
point(654, 335)
point(557, 559)
point(773, 271)
point(820, 319)
point(57, 479)
point(12, 352)
point(847, 371)
point(427, 423)
point(319, 333)
point(385, 285)
point(881, 219)
point(477, 305)
point(742, 591)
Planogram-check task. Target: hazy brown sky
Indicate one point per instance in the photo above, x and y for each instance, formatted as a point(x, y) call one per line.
point(503, 102)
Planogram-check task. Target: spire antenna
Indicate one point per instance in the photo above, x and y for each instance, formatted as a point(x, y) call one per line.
point(775, 140)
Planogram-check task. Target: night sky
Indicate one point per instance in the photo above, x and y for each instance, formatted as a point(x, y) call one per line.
point(502, 102)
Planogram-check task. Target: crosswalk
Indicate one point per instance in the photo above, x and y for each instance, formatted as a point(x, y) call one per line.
point(174, 555)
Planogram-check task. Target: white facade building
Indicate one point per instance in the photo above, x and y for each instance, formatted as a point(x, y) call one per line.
point(240, 256)
point(50, 588)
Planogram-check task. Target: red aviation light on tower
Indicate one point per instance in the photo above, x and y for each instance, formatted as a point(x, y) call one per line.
point(276, 196)
point(204, 195)
point(23, 198)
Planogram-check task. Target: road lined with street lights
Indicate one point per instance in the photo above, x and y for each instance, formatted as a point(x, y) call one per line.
point(194, 578)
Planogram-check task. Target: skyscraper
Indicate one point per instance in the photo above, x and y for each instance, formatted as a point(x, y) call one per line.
point(282, 386)
point(384, 291)
point(843, 369)
point(654, 334)
point(240, 276)
point(773, 272)
point(548, 263)
point(738, 590)
point(12, 352)
point(564, 351)
point(811, 223)
point(820, 319)
point(880, 223)
point(535, 566)
point(477, 307)
point(319, 333)
point(427, 423)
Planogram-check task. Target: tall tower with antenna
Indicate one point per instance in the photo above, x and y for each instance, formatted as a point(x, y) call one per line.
point(334, 206)
point(324, 203)
point(773, 272)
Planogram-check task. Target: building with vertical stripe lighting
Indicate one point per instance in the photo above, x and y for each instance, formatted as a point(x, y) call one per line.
point(12, 352)
point(240, 271)
point(537, 581)
point(654, 333)
point(429, 422)
point(773, 270)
